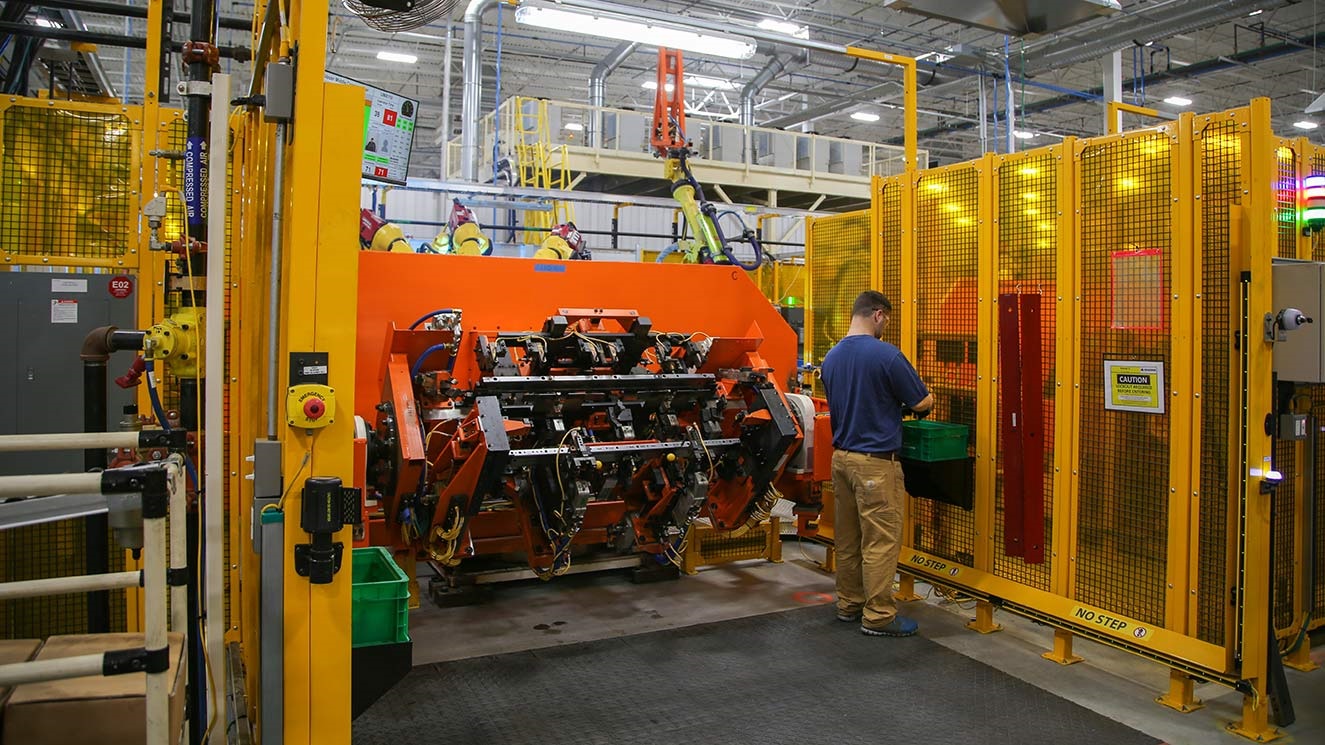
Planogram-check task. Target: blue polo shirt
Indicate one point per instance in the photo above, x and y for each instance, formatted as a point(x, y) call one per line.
point(867, 381)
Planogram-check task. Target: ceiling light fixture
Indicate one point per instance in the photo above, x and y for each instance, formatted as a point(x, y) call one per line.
point(717, 84)
point(1305, 124)
point(573, 127)
point(1256, 12)
point(386, 56)
point(1022, 134)
point(626, 29)
point(784, 27)
point(652, 85)
point(1178, 101)
point(46, 23)
point(865, 116)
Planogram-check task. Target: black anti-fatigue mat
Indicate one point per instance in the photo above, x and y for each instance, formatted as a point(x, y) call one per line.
point(793, 677)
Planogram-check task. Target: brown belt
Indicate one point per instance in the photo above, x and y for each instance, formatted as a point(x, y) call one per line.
point(891, 455)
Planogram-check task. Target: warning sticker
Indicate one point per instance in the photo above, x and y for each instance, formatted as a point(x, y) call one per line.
point(64, 310)
point(1131, 385)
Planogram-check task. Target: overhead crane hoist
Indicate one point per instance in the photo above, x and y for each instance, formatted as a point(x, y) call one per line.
point(668, 138)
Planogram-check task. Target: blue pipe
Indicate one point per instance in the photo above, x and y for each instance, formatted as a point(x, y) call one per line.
point(496, 139)
point(421, 318)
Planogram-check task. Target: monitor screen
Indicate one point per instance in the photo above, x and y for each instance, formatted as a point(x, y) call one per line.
point(388, 131)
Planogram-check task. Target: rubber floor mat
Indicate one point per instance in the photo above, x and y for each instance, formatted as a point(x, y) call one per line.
point(798, 677)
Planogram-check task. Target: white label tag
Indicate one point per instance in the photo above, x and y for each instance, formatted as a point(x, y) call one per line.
point(68, 285)
point(315, 370)
point(64, 310)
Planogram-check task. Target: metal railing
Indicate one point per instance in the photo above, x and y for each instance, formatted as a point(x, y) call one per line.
point(149, 495)
point(579, 126)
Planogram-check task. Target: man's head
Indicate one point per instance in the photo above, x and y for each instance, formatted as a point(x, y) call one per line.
point(873, 311)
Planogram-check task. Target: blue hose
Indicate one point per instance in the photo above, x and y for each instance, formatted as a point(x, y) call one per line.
point(165, 424)
point(425, 317)
point(668, 252)
point(418, 364)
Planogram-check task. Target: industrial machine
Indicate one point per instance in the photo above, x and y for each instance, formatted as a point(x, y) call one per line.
point(462, 234)
point(668, 138)
point(564, 241)
point(551, 429)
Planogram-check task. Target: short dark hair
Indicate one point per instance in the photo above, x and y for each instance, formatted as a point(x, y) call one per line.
point(869, 301)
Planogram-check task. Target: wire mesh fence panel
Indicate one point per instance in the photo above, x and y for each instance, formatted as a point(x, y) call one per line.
point(1125, 243)
point(1316, 589)
point(947, 245)
point(839, 270)
point(1027, 189)
point(890, 254)
point(1219, 150)
point(67, 183)
point(1284, 584)
point(45, 551)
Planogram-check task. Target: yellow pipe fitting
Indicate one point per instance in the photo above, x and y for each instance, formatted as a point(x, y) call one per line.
point(178, 342)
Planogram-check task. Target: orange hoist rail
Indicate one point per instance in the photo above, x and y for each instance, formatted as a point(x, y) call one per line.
point(669, 111)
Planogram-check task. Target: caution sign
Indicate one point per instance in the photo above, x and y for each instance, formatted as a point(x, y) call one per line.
point(1131, 385)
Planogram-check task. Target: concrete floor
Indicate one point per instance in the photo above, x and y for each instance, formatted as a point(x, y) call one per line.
point(1121, 686)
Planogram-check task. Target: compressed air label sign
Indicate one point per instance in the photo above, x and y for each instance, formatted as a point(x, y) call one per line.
point(1131, 385)
point(388, 131)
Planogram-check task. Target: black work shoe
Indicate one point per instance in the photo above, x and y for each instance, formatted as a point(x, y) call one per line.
point(899, 626)
point(848, 617)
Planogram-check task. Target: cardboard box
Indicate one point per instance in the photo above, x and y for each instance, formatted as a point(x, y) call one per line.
point(11, 651)
point(103, 710)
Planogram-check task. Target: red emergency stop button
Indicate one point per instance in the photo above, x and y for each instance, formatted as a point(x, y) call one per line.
point(314, 408)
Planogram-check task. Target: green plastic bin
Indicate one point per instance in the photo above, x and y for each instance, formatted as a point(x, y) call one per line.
point(380, 599)
point(933, 441)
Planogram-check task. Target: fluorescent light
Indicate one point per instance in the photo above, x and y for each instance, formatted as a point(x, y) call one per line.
point(1305, 124)
point(574, 127)
point(1022, 134)
point(1178, 101)
point(937, 58)
point(865, 116)
point(699, 81)
point(653, 85)
point(1256, 12)
point(386, 56)
point(418, 35)
point(625, 29)
point(48, 23)
point(784, 27)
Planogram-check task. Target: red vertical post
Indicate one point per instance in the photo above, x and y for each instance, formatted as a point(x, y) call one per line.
point(1010, 423)
point(1032, 428)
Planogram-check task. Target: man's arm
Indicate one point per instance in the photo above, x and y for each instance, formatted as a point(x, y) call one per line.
point(908, 387)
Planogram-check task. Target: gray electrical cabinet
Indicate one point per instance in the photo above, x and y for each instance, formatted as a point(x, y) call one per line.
point(43, 319)
point(1300, 356)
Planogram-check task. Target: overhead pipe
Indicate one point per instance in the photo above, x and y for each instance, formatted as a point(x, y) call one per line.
point(1191, 71)
point(774, 67)
point(598, 87)
point(472, 95)
point(1140, 29)
point(242, 54)
point(234, 23)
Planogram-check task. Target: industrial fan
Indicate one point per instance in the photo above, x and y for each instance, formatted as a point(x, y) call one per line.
point(400, 15)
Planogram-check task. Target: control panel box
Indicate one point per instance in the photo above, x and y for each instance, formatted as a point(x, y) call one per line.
point(1299, 355)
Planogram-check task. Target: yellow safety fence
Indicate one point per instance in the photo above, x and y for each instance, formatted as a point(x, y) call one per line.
point(1149, 247)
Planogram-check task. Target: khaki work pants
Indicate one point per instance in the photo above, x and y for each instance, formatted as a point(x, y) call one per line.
point(868, 506)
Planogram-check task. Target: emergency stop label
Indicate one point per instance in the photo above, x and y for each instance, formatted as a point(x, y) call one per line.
point(1132, 385)
point(1091, 617)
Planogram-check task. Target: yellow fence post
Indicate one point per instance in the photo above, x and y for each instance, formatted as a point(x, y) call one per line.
point(986, 395)
point(1066, 370)
point(1254, 610)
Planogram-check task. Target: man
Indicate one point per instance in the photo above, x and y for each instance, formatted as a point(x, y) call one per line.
point(869, 384)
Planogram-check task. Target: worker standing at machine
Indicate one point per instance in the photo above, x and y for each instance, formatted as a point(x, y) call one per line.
point(869, 384)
